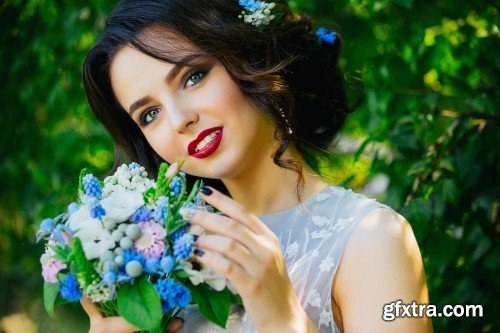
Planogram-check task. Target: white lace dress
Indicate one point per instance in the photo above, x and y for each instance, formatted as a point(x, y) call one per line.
point(313, 237)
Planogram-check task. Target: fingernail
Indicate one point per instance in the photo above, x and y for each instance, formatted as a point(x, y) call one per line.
point(199, 252)
point(205, 190)
point(195, 237)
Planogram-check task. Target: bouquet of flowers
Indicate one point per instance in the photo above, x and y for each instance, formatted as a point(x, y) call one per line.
point(127, 245)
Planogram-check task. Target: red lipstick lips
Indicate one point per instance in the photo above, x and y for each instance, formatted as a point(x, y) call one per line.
point(210, 147)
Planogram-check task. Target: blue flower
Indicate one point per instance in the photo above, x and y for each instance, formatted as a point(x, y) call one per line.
point(133, 166)
point(142, 214)
point(69, 288)
point(326, 36)
point(161, 209)
point(96, 210)
point(180, 232)
point(46, 225)
point(57, 233)
point(129, 255)
point(152, 265)
point(73, 207)
point(173, 294)
point(91, 186)
point(176, 186)
point(251, 5)
point(183, 246)
point(167, 264)
point(109, 277)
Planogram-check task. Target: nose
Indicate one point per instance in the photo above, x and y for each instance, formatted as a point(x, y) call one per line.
point(181, 117)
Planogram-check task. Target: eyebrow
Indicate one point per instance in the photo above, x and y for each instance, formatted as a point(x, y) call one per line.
point(172, 74)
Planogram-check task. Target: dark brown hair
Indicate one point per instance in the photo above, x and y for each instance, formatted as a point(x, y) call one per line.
point(278, 66)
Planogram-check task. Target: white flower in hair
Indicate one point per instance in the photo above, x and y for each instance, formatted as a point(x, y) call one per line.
point(257, 12)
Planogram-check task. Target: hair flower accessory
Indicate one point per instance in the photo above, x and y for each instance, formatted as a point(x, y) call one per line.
point(326, 36)
point(257, 12)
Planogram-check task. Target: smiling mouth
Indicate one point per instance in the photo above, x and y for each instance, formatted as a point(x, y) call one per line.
point(207, 142)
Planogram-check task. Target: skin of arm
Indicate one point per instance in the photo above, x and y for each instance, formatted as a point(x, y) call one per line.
point(381, 264)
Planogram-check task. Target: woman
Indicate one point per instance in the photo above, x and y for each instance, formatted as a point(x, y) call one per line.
point(304, 255)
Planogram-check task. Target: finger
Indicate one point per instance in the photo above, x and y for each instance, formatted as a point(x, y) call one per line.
point(115, 325)
point(91, 309)
point(225, 226)
point(235, 210)
point(231, 249)
point(227, 268)
point(175, 325)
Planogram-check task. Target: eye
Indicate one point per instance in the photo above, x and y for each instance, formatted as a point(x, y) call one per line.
point(195, 77)
point(148, 116)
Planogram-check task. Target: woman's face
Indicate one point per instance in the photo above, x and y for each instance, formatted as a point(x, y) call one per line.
point(172, 110)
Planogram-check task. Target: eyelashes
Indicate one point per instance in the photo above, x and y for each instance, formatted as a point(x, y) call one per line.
point(149, 115)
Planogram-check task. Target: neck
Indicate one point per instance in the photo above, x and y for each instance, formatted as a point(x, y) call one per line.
point(265, 188)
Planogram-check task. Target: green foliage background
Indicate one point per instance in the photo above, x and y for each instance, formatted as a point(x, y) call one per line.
point(428, 71)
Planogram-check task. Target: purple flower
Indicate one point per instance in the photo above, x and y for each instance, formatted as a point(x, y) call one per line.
point(151, 243)
point(50, 267)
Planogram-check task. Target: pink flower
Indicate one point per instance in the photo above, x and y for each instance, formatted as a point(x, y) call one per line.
point(50, 266)
point(151, 243)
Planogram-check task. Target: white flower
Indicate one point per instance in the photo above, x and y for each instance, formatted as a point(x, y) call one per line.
point(314, 298)
point(323, 233)
point(321, 221)
point(94, 237)
point(326, 264)
point(325, 318)
point(292, 250)
point(121, 205)
point(342, 223)
point(210, 277)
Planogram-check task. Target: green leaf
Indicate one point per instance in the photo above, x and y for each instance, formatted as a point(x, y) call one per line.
point(84, 267)
point(50, 292)
point(174, 225)
point(83, 173)
point(162, 181)
point(181, 274)
point(213, 305)
point(61, 253)
point(149, 194)
point(140, 304)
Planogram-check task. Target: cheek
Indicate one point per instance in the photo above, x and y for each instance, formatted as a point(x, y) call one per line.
point(164, 144)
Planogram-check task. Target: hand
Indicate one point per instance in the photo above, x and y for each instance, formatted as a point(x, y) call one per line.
point(252, 261)
point(101, 324)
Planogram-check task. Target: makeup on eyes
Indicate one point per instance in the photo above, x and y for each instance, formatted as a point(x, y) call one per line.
point(202, 70)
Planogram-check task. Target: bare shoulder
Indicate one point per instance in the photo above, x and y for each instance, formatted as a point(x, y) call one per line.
point(381, 264)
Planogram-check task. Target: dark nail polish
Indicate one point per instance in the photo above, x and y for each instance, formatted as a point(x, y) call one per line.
point(195, 237)
point(205, 190)
point(199, 252)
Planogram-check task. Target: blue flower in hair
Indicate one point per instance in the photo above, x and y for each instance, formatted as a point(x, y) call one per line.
point(326, 36)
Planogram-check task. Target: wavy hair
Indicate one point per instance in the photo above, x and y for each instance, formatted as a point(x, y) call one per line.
point(280, 67)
